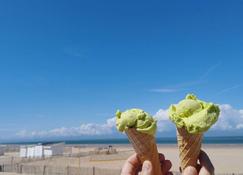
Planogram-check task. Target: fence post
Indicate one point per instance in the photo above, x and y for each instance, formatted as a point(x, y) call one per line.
point(12, 163)
point(17, 168)
point(12, 159)
point(67, 170)
point(21, 168)
point(44, 169)
point(93, 170)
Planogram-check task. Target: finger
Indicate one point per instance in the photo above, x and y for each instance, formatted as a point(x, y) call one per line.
point(161, 157)
point(130, 166)
point(169, 173)
point(146, 168)
point(198, 167)
point(207, 167)
point(190, 170)
point(166, 166)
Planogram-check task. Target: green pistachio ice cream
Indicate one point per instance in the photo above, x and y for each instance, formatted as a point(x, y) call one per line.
point(195, 115)
point(135, 118)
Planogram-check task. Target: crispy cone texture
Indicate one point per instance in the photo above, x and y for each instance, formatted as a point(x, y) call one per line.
point(189, 147)
point(146, 148)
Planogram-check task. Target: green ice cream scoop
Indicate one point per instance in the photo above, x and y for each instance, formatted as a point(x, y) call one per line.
point(135, 118)
point(195, 115)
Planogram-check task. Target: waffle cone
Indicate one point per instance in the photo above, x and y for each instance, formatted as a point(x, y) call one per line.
point(189, 147)
point(146, 148)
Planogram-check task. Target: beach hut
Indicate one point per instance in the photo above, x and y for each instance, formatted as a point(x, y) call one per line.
point(41, 150)
point(30, 152)
point(53, 149)
point(38, 151)
point(23, 151)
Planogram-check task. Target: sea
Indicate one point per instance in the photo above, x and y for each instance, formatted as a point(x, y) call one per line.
point(164, 140)
point(167, 140)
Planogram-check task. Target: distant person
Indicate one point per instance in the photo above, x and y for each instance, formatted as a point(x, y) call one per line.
point(133, 166)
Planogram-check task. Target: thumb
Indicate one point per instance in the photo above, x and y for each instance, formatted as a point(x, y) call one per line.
point(146, 168)
point(190, 170)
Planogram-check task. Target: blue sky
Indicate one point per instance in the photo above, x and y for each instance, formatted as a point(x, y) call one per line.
point(70, 62)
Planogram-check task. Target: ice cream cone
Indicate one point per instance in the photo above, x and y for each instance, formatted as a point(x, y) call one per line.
point(189, 147)
point(146, 148)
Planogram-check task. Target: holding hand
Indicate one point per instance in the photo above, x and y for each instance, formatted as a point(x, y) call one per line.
point(204, 168)
point(133, 166)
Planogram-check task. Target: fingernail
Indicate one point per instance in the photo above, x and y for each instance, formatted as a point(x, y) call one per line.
point(147, 166)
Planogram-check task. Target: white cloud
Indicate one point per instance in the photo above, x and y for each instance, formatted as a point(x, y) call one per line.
point(87, 129)
point(239, 126)
point(163, 122)
point(161, 115)
point(111, 122)
point(230, 119)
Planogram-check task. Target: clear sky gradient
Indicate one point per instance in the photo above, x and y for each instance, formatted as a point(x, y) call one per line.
point(67, 62)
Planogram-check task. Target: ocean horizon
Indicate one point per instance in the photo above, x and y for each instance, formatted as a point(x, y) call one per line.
point(160, 140)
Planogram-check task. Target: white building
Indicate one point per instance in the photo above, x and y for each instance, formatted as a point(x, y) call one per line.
point(41, 150)
point(38, 151)
point(31, 151)
point(23, 151)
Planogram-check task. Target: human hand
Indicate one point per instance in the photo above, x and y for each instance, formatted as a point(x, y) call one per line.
point(204, 168)
point(133, 166)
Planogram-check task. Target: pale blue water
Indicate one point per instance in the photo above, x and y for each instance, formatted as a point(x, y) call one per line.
point(168, 140)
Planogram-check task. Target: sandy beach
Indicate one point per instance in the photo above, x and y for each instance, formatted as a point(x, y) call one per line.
point(226, 158)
